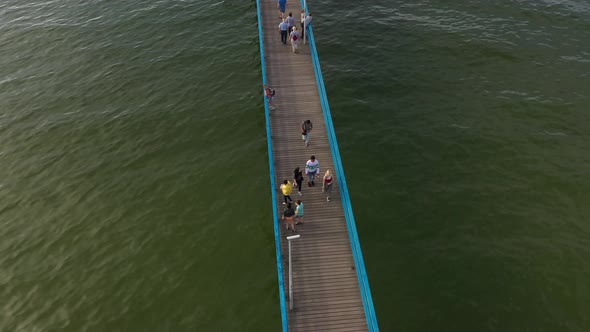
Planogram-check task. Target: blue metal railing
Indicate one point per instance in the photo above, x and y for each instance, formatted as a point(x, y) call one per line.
point(347, 206)
point(271, 166)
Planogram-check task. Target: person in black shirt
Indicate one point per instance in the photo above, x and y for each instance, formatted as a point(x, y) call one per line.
point(298, 180)
point(306, 128)
point(289, 217)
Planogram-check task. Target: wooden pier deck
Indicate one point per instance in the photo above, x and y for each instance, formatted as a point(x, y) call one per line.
point(326, 290)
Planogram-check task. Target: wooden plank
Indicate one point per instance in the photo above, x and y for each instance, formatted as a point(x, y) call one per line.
point(326, 291)
point(343, 265)
point(328, 313)
point(314, 266)
point(331, 276)
point(315, 307)
point(333, 325)
point(324, 298)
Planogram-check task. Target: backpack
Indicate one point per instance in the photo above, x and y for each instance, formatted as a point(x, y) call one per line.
point(295, 37)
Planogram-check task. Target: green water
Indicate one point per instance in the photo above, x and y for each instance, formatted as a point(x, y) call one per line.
point(463, 131)
point(134, 188)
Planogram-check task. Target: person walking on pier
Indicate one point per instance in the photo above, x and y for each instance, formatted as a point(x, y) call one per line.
point(302, 21)
point(270, 96)
point(327, 184)
point(284, 29)
point(282, 5)
point(288, 216)
point(291, 22)
point(312, 167)
point(306, 128)
point(298, 180)
point(299, 212)
point(307, 23)
point(294, 39)
point(287, 189)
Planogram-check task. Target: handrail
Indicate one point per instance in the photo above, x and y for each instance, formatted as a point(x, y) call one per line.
point(271, 166)
point(347, 206)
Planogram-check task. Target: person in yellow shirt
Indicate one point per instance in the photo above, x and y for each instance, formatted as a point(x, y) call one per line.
point(287, 188)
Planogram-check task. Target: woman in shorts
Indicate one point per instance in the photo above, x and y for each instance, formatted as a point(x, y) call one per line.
point(289, 216)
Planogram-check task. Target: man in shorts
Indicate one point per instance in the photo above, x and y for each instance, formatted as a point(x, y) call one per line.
point(282, 6)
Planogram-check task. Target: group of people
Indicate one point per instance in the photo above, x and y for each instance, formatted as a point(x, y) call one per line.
point(292, 216)
point(287, 26)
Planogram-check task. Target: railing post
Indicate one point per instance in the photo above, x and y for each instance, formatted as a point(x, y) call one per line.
point(289, 238)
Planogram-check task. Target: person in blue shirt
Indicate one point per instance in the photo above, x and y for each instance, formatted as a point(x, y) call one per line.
point(284, 29)
point(282, 6)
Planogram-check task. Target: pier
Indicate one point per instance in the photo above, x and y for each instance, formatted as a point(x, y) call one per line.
point(330, 290)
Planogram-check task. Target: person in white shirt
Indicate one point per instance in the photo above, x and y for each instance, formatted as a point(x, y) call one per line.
point(302, 20)
point(294, 39)
point(312, 167)
point(283, 28)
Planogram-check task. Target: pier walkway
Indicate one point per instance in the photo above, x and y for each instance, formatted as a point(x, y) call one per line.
point(330, 289)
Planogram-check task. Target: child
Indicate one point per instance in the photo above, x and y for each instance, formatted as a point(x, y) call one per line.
point(299, 213)
point(287, 188)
